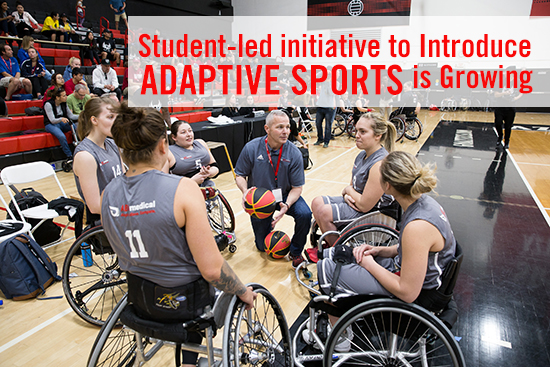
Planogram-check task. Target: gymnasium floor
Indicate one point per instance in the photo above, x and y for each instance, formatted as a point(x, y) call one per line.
point(495, 205)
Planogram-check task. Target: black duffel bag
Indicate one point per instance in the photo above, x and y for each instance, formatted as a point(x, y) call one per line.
point(28, 198)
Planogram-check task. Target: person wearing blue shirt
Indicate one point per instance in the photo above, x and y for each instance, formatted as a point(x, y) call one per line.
point(119, 6)
point(74, 62)
point(23, 55)
point(274, 163)
point(10, 74)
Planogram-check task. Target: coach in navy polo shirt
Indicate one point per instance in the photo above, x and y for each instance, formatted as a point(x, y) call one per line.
point(274, 163)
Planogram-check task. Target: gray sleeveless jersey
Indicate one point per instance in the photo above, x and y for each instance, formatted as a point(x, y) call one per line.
point(189, 160)
point(138, 216)
point(360, 173)
point(108, 162)
point(426, 208)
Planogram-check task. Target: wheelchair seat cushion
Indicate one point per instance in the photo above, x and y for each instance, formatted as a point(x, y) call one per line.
point(174, 332)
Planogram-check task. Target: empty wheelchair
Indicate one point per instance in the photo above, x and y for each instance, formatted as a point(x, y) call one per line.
point(221, 218)
point(375, 331)
point(92, 280)
point(256, 337)
point(408, 126)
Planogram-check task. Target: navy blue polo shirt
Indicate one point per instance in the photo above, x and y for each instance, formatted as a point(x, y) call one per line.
point(254, 164)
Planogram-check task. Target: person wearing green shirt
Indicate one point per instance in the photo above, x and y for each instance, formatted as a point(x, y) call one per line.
point(77, 100)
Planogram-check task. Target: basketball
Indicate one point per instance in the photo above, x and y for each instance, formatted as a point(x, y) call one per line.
point(260, 203)
point(277, 244)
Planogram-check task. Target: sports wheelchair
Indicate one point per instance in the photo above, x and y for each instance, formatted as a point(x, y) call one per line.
point(406, 125)
point(221, 218)
point(375, 331)
point(343, 122)
point(92, 280)
point(257, 337)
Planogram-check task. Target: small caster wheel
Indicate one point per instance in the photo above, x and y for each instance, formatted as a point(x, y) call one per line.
point(232, 248)
point(307, 274)
point(67, 165)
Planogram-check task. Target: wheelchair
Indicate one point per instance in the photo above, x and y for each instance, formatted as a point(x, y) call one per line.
point(375, 331)
point(221, 218)
point(92, 280)
point(343, 122)
point(257, 337)
point(408, 126)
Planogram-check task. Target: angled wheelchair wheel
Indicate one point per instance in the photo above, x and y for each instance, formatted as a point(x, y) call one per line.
point(413, 129)
point(338, 125)
point(92, 280)
point(399, 127)
point(220, 214)
point(370, 234)
point(389, 332)
point(119, 346)
point(351, 130)
point(257, 337)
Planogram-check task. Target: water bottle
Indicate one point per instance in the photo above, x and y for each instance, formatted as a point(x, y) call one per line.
point(86, 254)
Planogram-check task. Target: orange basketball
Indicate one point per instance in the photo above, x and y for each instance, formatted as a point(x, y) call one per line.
point(277, 244)
point(260, 203)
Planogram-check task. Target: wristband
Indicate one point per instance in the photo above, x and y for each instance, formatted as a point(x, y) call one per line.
point(287, 206)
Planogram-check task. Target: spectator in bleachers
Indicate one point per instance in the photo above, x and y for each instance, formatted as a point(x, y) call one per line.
point(74, 62)
point(230, 109)
point(58, 117)
point(77, 78)
point(78, 99)
point(56, 83)
point(11, 76)
point(69, 30)
point(107, 47)
point(80, 14)
point(249, 107)
point(119, 7)
point(124, 87)
point(90, 51)
point(24, 22)
point(135, 76)
point(7, 24)
point(23, 55)
point(34, 71)
point(105, 80)
point(51, 28)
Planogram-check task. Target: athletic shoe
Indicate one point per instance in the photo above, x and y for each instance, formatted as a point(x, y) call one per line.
point(343, 344)
point(325, 145)
point(296, 260)
point(507, 146)
point(318, 142)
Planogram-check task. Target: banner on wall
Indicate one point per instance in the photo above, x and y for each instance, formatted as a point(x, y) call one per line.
point(358, 7)
point(540, 8)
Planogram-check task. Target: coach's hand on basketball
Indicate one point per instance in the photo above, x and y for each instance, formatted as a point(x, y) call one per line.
point(248, 298)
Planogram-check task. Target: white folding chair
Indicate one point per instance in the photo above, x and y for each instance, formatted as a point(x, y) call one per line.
point(32, 172)
point(11, 227)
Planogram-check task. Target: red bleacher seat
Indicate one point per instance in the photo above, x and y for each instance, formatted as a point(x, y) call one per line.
point(47, 52)
point(119, 70)
point(86, 62)
point(37, 103)
point(25, 143)
point(63, 53)
point(16, 107)
point(21, 123)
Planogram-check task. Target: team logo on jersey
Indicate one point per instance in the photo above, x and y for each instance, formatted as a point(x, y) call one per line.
point(443, 215)
point(103, 163)
point(285, 160)
point(260, 157)
point(115, 212)
point(186, 157)
point(139, 209)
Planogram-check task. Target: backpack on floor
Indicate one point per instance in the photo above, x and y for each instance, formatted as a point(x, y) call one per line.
point(25, 268)
point(28, 198)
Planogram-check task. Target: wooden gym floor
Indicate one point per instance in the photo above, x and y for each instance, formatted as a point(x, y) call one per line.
point(503, 302)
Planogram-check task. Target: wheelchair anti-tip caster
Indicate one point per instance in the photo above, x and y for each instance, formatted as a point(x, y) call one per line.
point(307, 274)
point(67, 165)
point(232, 248)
